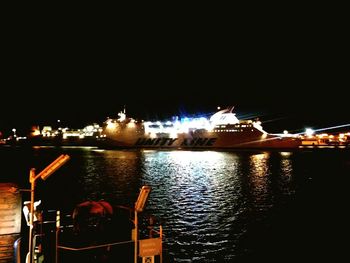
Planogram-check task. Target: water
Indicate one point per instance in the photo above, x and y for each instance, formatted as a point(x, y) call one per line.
point(214, 206)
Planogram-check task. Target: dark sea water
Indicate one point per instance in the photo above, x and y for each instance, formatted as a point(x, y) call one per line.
point(214, 206)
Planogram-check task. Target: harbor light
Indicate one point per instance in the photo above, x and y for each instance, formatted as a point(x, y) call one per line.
point(111, 125)
point(309, 132)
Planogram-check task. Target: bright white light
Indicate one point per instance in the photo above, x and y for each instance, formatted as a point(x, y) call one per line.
point(286, 154)
point(122, 116)
point(186, 158)
point(111, 125)
point(131, 125)
point(309, 131)
point(89, 128)
point(257, 125)
point(224, 117)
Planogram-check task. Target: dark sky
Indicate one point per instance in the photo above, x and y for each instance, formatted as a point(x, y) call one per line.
point(290, 73)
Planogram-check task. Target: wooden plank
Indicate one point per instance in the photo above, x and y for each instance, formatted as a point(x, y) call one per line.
point(10, 209)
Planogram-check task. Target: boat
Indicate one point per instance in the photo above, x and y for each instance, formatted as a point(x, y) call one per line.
point(88, 136)
point(222, 130)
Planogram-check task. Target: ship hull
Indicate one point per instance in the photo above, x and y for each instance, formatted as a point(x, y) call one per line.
point(210, 141)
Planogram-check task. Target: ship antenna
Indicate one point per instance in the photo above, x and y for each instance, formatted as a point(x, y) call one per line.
point(124, 109)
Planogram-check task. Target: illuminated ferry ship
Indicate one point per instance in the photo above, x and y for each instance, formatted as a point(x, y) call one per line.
point(222, 130)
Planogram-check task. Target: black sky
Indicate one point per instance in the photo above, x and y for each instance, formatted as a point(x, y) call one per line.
point(290, 73)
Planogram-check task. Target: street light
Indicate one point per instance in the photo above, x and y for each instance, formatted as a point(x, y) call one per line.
point(44, 174)
point(139, 206)
point(142, 198)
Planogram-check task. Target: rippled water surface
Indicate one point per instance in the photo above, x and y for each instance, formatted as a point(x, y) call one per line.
point(214, 206)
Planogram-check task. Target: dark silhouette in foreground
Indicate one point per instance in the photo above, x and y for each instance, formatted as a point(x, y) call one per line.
point(96, 223)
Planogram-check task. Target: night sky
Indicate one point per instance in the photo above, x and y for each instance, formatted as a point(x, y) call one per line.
point(291, 75)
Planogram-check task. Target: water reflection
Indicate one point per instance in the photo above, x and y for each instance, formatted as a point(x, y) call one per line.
point(108, 174)
point(259, 178)
point(211, 201)
point(286, 173)
point(197, 194)
point(214, 206)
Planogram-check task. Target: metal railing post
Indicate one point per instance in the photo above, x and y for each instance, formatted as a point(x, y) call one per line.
point(31, 215)
point(161, 241)
point(136, 237)
point(58, 224)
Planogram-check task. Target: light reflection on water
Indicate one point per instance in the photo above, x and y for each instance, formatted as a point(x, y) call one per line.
point(214, 206)
point(207, 199)
point(199, 193)
point(258, 175)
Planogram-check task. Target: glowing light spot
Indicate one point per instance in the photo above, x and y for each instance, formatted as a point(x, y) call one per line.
point(309, 132)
